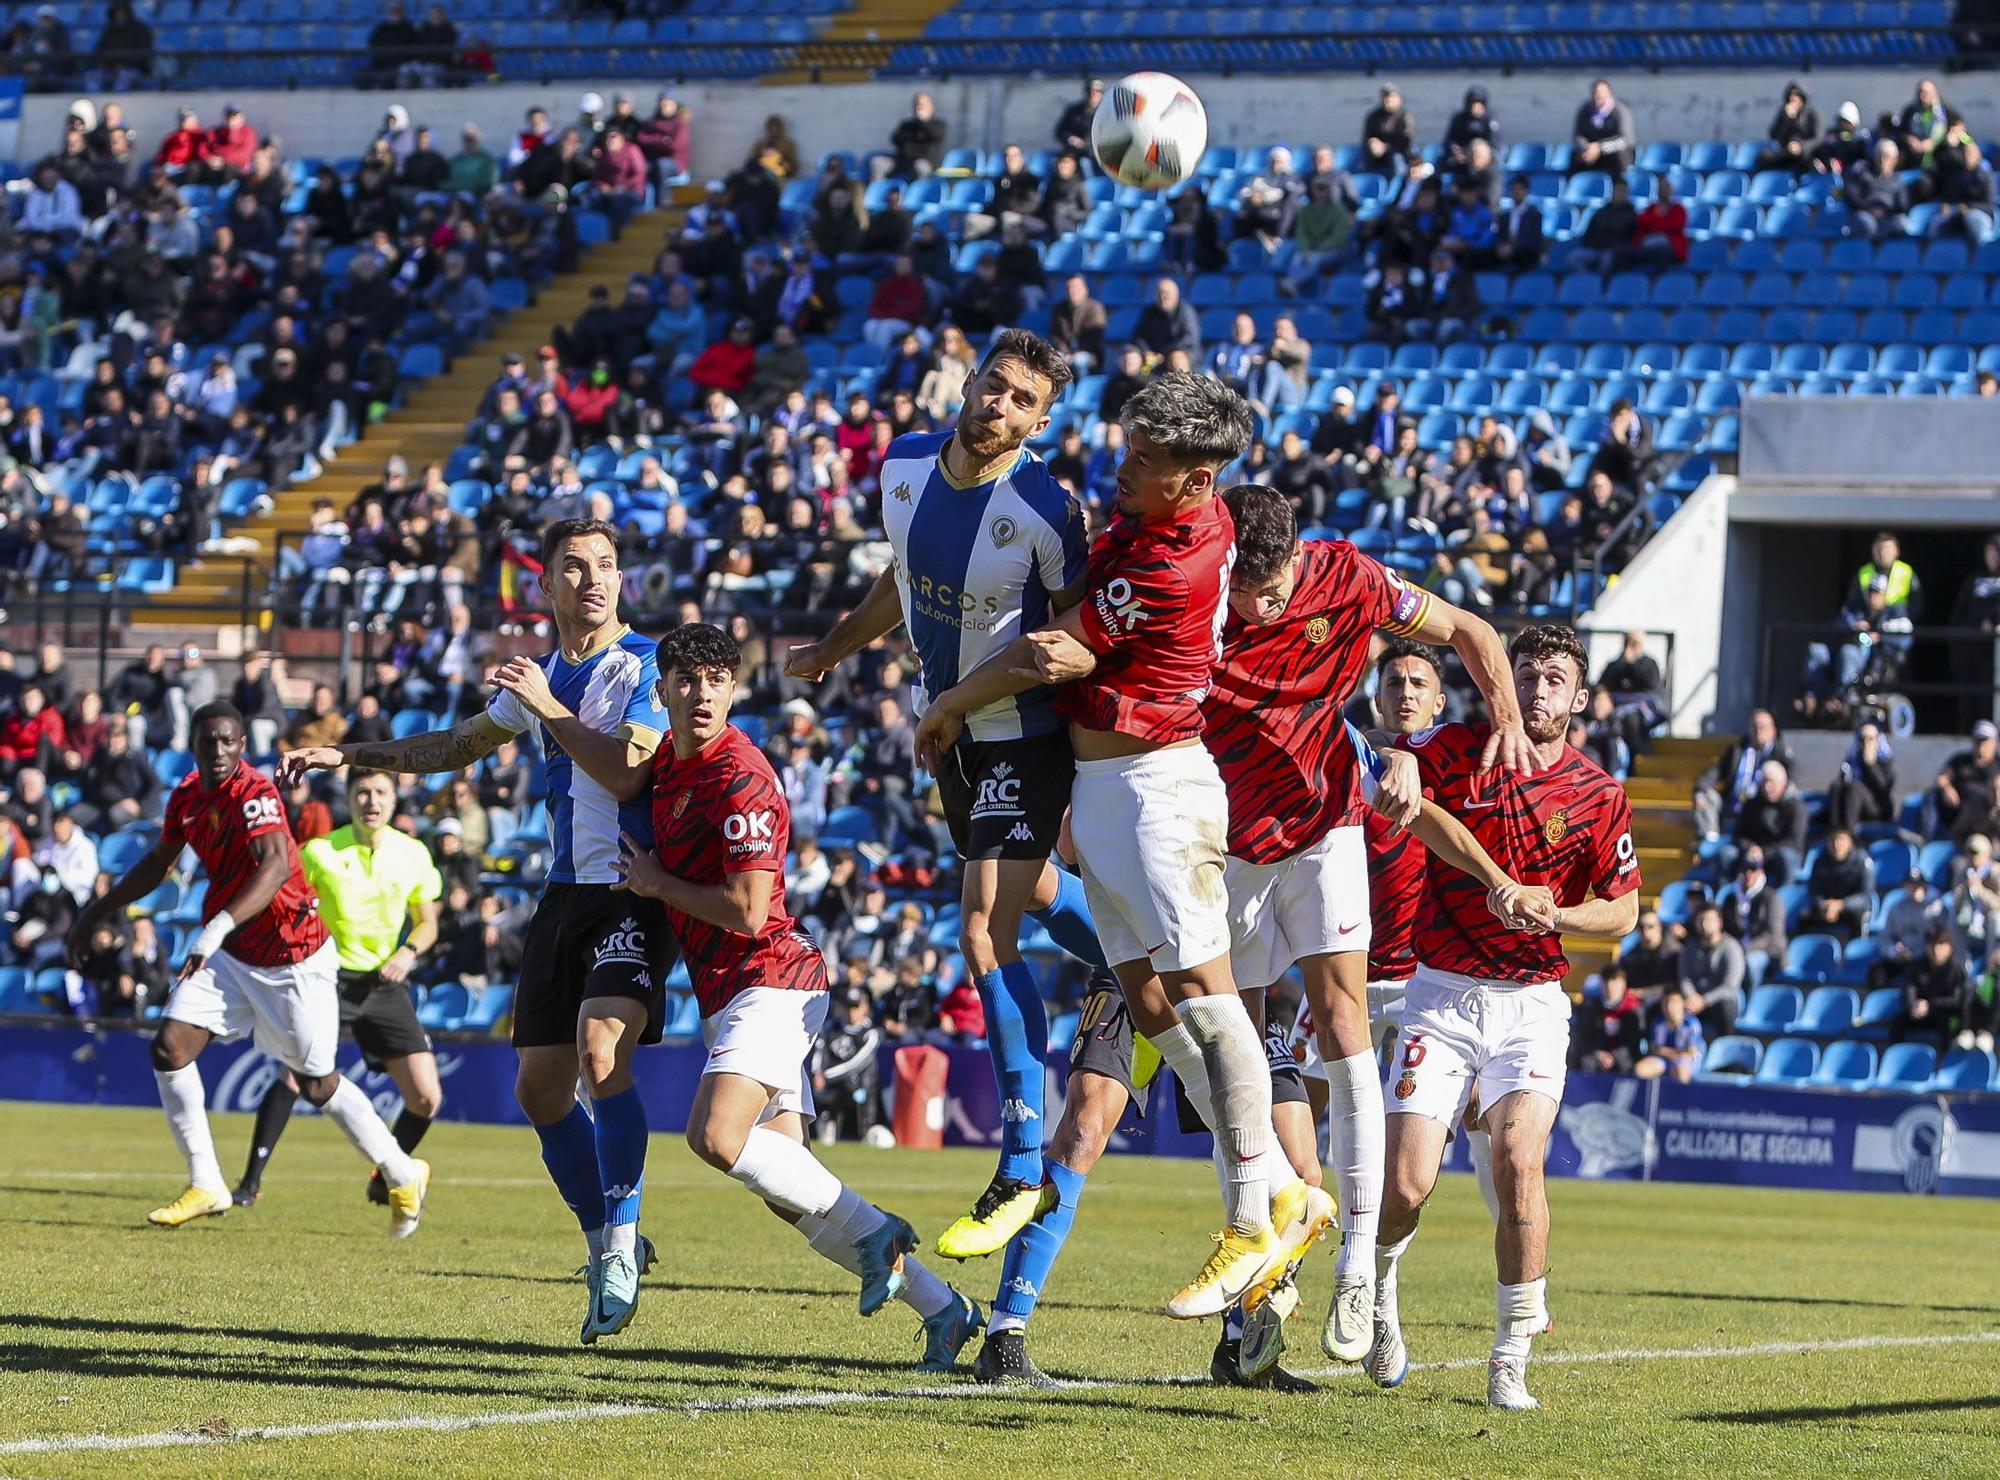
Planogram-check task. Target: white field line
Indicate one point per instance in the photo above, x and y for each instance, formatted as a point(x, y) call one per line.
point(777, 1402)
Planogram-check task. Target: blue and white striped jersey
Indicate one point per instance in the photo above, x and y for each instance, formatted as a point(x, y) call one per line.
point(1369, 761)
point(975, 567)
point(614, 690)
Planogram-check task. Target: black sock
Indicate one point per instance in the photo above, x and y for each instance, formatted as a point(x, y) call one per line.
point(271, 1118)
point(409, 1129)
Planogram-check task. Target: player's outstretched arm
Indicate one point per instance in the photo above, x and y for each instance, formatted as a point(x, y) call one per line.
point(1484, 655)
point(741, 902)
point(140, 880)
point(1604, 919)
point(1014, 669)
point(468, 743)
point(879, 614)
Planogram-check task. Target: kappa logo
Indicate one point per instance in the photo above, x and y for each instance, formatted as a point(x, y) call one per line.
point(1016, 1112)
point(902, 491)
point(1021, 1285)
point(621, 1192)
point(1003, 530)
point(1022, 833)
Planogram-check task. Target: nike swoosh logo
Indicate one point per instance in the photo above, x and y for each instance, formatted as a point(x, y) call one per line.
point(1347, 929)
point(1472, 806)
point(1532, 1074)
point(1160, 947)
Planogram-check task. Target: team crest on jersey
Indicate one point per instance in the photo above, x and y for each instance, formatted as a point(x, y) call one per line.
point(1556, 828)
point(681, 804)
point(1003, 531)
point(1317, 629)
point(1407, 1085)
point(901, 491)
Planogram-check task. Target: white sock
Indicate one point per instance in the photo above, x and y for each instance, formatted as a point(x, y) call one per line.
point(1183, 1056)
point(1386, 1259)
point(1006, 1323)
point(781, 1171)
point(186, 1104)
point(851, 1215)
point(1520, 1316)
point(1479, 1145)
point(370, 1133)
point(1239, 1077)
point(623, 1238)
point(595, 1238)
point(923, 1291)
point(1356, 1134)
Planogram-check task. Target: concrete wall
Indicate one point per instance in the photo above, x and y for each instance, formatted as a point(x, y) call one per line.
point(989, 111)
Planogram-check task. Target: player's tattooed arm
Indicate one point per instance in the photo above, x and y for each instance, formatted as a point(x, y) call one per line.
point(879, 614)
point(439, 750)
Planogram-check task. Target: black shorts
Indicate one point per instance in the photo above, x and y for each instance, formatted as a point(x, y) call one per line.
point(1288, 1075)
point(381, 1017)
point(1006, 798)
point(1108, 1045)
point(585, 941)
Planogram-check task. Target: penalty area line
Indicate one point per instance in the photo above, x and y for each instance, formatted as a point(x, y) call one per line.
point(779, 1402)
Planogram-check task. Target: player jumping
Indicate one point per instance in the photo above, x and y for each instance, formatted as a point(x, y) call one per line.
point(988, 545)
point(1486, 1012)
point(722, 829)
point(374, 881)
point(262, 965)
point(595, 962)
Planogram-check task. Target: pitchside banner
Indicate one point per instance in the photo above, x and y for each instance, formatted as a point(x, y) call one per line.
point(1609, 1128)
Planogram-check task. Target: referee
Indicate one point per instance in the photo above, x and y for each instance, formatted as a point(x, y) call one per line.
point(372, 881)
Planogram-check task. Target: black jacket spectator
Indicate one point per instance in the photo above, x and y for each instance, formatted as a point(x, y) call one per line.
point(1387, 134)
point(1474, 120)
point(1164, 328)
point(918, 141)
point(1773, 824)
point(1604, 138)
point(1610, 1033)
point(1794, 133)
point(1078, 327)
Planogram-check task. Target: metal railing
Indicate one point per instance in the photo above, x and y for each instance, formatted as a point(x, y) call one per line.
point(1947, 676)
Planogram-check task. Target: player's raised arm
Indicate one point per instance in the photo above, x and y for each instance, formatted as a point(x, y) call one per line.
point(465, 744)
point(879, 613)
point(1484, 655)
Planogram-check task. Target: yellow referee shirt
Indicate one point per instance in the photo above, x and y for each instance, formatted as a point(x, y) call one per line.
point(365, 893)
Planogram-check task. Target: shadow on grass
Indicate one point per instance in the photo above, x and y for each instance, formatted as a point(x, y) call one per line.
point(65, 1192)
point(1740, 1297)
point(1834, 1413)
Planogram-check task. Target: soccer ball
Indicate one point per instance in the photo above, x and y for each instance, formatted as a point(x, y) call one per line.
point(1149, 131)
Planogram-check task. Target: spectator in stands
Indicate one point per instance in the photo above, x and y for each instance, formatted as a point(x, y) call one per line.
point(1303, 478)
point(1659, 239)
point(1922, 126)
point(1977, 605)
point(665, 141)
point(1017, 197)
point(1065, 202)
point(1471, 228)
point(1608, 232)
point(1167, 324)
point(140, 692)
point(1865, 788)
point(1237, 360)
point(1711, 974)
point(1678, 1042)
point(896, 308)
point(1845, 143)
point(1121, 384)
point(1840, 889)
point(1322, 236)
point(1073, 126)
point(1905, 931)
point(124, 51)
point(33, 735)
point(1447, 306)
point(319, 723)
point(1286, 376)
point(618, 178)
point(1194, 235)
point(1774, 819)
point(1473, 120)
point(1637, 690)
point(1877, 199)
point(1793, 133)
point(917, 144)
point(1076, 325)
point(1390, 303)
point(1610, 1032)
point(1604, 139)
point(42, 924)
point(1018, 264)
point(1753, 911)
point(1963, 187)
point(1962, 801)
point(942, 391)
point(52, 207)
point(1878, 644)
point(1626, 455)
point(1653, 960)
point(472, 171)
point(1935, 984)
point(1388, 137)
point(69, 851)
point(460, 302)
point(983, 302)
point(845, 1076)
point(391, 43)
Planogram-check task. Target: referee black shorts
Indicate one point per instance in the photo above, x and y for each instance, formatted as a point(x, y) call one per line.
point(586, 941)
point(381, 1016)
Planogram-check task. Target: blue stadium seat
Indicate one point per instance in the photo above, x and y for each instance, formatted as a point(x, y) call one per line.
point(1894, 861)
point(1812, 960)
point(1964, 1071)
point(1856, 961)
point(444, 1006)
point(1906, 1066)
point(1675, 907)
point(1772, 1010)
point(1846, 1064)
point(1830, 1012)
point(171, 766)
point(1788, 1061)
point(408, 722)
point(849, 827)
point(1731, 1057)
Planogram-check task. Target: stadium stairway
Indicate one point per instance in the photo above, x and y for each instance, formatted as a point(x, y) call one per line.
point(1660, 789)
point(866, 34)
point(426, 428)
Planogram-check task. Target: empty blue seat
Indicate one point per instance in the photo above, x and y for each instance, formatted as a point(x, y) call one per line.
point(1812, 959)
point(1731, 1056)
point(1675, 907)
point(1846, 1064)
point(1906, 1066)
point(1788, 1061)
point(1830, 1012)
point(1771, 1010)
point(408, 722)
point(1894, 859)
point(1964, 1071)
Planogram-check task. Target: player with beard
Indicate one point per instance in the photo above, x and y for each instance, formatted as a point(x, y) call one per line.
point(1485, 1012)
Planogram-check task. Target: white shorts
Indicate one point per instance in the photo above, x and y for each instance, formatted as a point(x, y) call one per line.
point(1460, 1034)
point(767, 1034)
point(290, 1012)
point(1385, 1012)
point(1314, 903)
point(1151, 834)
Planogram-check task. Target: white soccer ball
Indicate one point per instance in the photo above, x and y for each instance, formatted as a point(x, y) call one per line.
point(1150, 131)
point(880, 1137)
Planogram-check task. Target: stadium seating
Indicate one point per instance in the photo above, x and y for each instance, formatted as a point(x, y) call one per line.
point(1771, 1011)
point(1731, 1058)
point(1789, 1061)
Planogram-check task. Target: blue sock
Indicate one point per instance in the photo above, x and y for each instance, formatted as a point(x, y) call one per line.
point(1067, 921)
point(569, 1151)
point(1024, 1270)
point(1232, 1323)
point(1017, 1036)
point(621, 1155)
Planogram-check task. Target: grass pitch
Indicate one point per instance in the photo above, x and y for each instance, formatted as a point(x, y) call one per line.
point(1698, 1330)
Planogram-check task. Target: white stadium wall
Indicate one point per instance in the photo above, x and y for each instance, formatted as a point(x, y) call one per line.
point(989, 111)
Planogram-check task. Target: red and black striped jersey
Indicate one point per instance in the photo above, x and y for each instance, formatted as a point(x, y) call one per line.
point(1273, 719)
point(219, 825)
point(1568, 827)
point(1396, 865)
point(717, 813)
point(1153, 601)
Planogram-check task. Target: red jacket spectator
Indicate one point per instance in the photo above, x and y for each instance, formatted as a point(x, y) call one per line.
point(899, 298)
point(185, 146)
point(723, 366)
point(962, 1012)
point(662, 137)
point(855, 441)
point(233, 142)
point(22, 735)
point(589, 404)
point(622, 169)
point(1670, 221)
